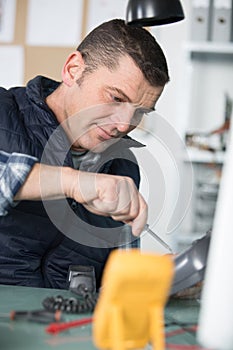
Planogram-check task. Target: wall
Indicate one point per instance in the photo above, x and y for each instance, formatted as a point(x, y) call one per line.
point(45, 32)
point(35, 59)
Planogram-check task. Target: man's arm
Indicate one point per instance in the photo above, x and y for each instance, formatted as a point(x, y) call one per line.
point(102, 194)
point(14, 169)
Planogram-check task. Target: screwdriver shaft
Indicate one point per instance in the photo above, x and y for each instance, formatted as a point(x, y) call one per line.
point(160, 240)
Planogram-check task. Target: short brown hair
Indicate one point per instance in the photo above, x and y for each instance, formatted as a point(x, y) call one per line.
point(104, 45)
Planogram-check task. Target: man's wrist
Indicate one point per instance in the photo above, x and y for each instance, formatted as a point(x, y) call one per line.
point(69, 181)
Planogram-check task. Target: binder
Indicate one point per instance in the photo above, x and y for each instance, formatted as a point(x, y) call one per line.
point(222, 21)
point(200, 20)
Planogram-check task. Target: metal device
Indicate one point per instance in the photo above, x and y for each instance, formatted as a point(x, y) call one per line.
point(190, 264)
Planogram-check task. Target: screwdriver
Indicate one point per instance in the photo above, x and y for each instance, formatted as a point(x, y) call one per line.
point(160, 240)
point(39, 316)
point(127, 233)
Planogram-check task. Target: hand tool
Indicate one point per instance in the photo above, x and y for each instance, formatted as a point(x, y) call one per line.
point(39, 316)
point(160, 240)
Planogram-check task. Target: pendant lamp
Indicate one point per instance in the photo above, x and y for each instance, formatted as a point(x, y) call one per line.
point(146, 13)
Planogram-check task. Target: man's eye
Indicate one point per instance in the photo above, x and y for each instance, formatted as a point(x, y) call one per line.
point(117, 99)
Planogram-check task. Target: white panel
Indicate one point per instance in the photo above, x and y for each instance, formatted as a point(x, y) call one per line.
point(7, 20)
point(12, 66)
point(104, 10)
point(216, 314)
point(54, 22)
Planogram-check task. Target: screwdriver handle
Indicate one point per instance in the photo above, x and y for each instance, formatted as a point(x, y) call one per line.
point(39, 316)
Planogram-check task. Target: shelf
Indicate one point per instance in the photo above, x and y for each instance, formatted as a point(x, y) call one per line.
point(209, 47)
point(199, 156)
point(189, 237)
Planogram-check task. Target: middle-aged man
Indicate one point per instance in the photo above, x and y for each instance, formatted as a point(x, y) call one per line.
point(65, 155)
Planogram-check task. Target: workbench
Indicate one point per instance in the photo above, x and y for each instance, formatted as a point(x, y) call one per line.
point(180, 316)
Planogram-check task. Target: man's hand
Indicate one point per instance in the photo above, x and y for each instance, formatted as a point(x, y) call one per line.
point(110, 195)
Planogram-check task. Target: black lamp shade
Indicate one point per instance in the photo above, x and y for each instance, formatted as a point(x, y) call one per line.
point(146, 13)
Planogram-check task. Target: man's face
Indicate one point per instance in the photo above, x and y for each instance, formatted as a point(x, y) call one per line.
point(107, 105)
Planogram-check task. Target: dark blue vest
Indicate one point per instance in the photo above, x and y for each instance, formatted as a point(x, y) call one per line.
point(33, 250)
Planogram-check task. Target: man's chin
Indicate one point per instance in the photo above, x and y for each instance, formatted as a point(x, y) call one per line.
point(101, 147)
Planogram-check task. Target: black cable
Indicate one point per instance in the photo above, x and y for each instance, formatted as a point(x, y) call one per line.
point(72, 305)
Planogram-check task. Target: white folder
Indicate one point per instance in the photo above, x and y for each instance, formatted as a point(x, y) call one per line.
point(222, 21)
point(200, 20)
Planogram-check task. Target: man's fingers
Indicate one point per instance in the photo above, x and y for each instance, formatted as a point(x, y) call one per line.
point(138, 220)
point(115, 196)
point(138, 224)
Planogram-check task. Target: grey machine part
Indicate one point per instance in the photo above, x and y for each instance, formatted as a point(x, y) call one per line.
point(190, 264)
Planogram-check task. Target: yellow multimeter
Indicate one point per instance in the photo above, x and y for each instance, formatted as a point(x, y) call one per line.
point(130, 310)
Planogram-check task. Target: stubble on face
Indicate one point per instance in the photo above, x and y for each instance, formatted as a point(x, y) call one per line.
point(96, 96)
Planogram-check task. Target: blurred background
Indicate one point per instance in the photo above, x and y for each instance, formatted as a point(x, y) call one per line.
point(187, 135)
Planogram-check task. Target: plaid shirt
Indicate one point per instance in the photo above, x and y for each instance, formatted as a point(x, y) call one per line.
point(14, 169)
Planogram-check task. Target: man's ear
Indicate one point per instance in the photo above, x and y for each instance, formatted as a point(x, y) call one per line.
point(73, 68)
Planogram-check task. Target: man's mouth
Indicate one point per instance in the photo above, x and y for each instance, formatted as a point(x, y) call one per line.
point(103, 134)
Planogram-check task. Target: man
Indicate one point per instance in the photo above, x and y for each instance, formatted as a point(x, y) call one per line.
point(53, 215)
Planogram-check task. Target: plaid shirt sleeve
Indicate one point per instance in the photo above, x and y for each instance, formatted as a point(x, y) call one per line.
point(14, 169)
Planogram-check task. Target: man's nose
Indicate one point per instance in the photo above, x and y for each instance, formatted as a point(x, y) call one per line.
point(123, 119)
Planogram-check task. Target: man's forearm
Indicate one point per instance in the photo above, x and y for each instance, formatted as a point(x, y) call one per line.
point(46, 182)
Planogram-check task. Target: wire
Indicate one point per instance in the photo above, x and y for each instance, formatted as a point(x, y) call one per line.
point(55, 328)
point(72, 305)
